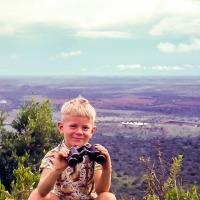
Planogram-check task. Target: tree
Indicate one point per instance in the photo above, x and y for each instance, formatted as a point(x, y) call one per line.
point(34, 133)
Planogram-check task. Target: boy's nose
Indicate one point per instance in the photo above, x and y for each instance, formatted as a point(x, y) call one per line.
point(79, 131)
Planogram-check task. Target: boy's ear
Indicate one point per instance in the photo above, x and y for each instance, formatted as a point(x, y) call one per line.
point(94, 128)
point(60, 126)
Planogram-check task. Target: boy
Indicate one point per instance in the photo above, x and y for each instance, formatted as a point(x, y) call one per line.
point(84, 181)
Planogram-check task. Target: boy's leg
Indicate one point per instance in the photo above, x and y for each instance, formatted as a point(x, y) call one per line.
point(106, 196)
point(36, 196)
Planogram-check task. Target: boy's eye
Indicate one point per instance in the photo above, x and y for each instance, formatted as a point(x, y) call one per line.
point(85, 127)
point(73, 126)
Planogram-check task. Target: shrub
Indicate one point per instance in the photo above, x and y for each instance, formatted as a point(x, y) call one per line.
point(167, 186)
point(34, 133)
point(23, 184)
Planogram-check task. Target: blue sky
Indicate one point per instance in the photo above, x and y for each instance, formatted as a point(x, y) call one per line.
point(100, 37)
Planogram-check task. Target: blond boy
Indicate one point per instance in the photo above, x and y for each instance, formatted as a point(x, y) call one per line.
point(85, 181)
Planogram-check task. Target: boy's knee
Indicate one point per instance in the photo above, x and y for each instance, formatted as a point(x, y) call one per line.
point(34, 195)
point(106, 196)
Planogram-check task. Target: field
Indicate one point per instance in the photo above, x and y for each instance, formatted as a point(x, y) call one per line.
point(132, 114)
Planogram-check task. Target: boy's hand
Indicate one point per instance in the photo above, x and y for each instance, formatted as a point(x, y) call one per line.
point(107, 164)
point(60, 162)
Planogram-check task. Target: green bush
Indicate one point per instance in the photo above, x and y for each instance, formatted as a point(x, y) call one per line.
point(167, 186)
point(23, 184)
point(34, 133)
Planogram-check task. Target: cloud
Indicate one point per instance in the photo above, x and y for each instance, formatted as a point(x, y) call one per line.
point(66, 54)
point(178, 25)
point(189, 67)
point(83, 69)
point(171, 48)
point(133, 66)
point(96, 15)
point(87, 14)
point(167, 68)
point(114, 19)
point(185, 67)
point(8, 30)
point(179, 17)
point(104, 34)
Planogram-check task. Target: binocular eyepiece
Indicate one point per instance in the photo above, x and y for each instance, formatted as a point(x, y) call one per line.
point(76, 155)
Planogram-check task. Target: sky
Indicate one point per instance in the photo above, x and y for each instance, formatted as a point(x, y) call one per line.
point(100, 37)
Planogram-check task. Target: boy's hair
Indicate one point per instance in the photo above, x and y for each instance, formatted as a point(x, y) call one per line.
point(78, 107)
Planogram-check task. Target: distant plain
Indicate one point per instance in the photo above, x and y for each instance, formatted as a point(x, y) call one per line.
point(169, 107)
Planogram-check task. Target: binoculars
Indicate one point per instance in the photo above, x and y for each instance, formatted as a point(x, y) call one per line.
point(76, 154)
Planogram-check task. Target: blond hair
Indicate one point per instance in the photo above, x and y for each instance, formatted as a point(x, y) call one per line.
point(78, 107)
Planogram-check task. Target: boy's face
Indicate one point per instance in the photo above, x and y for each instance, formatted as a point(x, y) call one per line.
point(76, 130)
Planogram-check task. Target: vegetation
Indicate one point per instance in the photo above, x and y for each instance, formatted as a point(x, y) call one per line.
point(34, 133)
point(162, 185)
point(25, 181)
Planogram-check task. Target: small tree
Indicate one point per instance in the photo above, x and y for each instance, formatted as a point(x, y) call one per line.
point(8, 164)
point(34, 133)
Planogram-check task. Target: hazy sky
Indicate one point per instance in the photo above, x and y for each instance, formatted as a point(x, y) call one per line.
point(100, 37)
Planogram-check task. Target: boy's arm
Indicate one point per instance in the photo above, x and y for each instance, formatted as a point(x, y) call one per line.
point(102, 178)
point(50, 176)
point(47, 181)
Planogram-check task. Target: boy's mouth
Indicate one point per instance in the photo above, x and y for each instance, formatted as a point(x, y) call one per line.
point(75, 138)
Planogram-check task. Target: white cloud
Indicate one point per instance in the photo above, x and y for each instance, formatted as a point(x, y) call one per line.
point(72, 53)
point(83, 69)
point(66, 54)
point(90, 14)
point(177, 17)
point(133, 66)
point(103, 18)
point(190, 67)
point(184, 68)
point(166, 47)
point(171, 48)
point(167, 68)
point(8, 30)
point(104, 34)
point(178, 25)
point(87, 14)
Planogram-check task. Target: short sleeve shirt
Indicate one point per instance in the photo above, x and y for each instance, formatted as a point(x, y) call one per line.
point(74, 183)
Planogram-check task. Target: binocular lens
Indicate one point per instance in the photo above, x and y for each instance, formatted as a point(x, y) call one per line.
point(72, 162)
point(100, 159)
point(77, 154)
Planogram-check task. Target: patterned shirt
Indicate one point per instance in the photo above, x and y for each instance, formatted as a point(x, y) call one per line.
point(74, 183)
